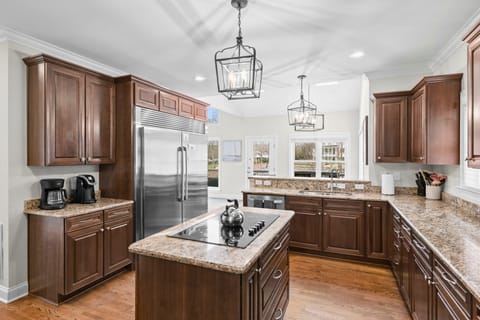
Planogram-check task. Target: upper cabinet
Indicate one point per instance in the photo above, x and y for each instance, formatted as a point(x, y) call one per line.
point(473, 66)
point(421, 125)
point(391, 127)
point(71, 114)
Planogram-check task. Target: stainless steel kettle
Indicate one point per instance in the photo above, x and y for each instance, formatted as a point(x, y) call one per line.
point(232, 216)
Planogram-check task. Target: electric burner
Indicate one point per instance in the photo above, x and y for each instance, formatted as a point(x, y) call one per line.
point(213, 231)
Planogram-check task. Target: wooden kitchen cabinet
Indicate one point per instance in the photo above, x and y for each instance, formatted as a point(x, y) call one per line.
point(201, 112)
point(67, 255)
point(435, 120)
point(405, 267)
point(71, 114)
point(187, 108)
point(421, 296)
point(169, 103)
point(146, 96)
point(343, 229)
point(306, 224)
point(377, 223)
point(473, 92)
point(391, 127)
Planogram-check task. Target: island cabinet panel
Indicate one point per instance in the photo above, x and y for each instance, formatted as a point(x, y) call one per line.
point(250, 294)
point(377, 223)
point(68, 255)
point(391, 127)
point(305, 227)
point(343, 229)
point(473, 91)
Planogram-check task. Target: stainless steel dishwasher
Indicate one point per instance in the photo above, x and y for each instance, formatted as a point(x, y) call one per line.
point(266, 201)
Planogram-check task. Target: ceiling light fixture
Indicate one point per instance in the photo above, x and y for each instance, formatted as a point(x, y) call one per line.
point(200, 78)
point(329, 83)
point(303, 115)
point(239, 72)
point(356, 54)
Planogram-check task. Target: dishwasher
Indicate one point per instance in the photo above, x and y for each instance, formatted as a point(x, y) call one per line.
point(266, 201)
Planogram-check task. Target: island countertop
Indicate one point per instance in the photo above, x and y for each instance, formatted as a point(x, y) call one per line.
point(211, 256)
point(450, 231)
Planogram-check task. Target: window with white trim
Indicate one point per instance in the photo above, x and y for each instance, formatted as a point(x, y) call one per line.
point(319, 157)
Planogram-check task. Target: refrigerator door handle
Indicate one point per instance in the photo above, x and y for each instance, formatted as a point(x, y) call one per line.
point(186, 175)
point(179, 177)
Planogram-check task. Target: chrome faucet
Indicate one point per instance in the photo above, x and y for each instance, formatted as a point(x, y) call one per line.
point(333, 171)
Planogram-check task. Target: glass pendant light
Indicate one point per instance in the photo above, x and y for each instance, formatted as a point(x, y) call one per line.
point(239, 72)
point(303, 115)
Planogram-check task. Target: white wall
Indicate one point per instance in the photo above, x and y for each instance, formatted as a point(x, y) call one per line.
point(232, 174)
point(23, 181)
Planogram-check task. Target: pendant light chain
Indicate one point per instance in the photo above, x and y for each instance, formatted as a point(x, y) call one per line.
point(239, 23)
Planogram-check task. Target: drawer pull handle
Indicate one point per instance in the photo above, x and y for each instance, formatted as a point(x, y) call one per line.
point(419, 245)
point(397, 263)
point(278, 246)
point(101, 229)
point(397, 232)
point(88, 221)
point(396, 217)
point(447, 278)
point(277, 275)
point(404, 227)
point(279, 316)
point(396, 246)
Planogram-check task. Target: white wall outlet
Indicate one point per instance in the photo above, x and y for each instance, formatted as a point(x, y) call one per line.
point(396, 176)
point(267, 182)
point(258, 182)
point(340, 185)
point(359, 186)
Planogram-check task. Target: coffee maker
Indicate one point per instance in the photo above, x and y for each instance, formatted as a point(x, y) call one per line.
point(53, 195)
point(85, 191)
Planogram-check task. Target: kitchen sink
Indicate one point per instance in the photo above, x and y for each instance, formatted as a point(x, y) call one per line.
point(325, 193)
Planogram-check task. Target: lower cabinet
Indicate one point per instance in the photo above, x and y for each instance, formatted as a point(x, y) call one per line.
point(421, 297)
point(305, 226)
point(377, 229)
point(405, 265)
point(65, 255)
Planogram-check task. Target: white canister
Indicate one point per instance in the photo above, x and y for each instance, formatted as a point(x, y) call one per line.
point(433, 192)
point(388, 186)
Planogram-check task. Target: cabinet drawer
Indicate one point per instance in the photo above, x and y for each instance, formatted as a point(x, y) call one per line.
point(343, 205)
point(147, 97)
point(396, 217)
point(122, 212)
point(83, 221)
point(396, 232)
point(452, 286)
point(421, 249)
point(275, 249)
point(281, 308)
point(315, 203)
point(272, 284)
point(406, 232)
point(168, 103)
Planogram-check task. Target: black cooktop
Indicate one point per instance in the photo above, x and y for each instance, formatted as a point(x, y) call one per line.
point(212, 230)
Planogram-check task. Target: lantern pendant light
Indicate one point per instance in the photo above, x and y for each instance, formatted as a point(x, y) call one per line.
point(239, 72)
point(303, 115)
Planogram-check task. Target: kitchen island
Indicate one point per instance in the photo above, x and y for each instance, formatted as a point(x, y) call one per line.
point(183, 279)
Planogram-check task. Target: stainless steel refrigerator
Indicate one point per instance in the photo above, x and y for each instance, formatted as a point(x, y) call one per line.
point(171, 171)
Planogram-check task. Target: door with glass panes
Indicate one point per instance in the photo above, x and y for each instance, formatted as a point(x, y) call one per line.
point(261, 154)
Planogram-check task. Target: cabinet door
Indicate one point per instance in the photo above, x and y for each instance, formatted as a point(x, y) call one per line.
point(418, 134)
point(83, 257)
point(118, 236)
point(377, 230)
point(305, 229)
point(187, 108)
point(168, 103)
point(343, 232)
point(421, 291)
point(100, 120)
point(201, 112)
point(444, 308)
point(474, 99)
point(405, 272)
point(250, 294)
point(147, 97)
point(391, 129)
point(65, 116)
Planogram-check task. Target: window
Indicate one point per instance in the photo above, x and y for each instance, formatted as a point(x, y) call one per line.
point(319, 157)
point(260, 156)
point(213, 163)
point(212, 115)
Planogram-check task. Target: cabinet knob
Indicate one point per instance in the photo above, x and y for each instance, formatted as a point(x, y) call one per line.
point(89, 159)
point(102, 229)
point(108, 228)
point(421, 158)
point(258, 270)
point(470, 159)
point(369, 205)
point(379, 157)
point(82, 159)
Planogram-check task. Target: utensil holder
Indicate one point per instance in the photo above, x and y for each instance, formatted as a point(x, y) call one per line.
point(433, 192)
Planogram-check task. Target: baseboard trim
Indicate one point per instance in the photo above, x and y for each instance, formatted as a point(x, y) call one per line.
point(11, 294)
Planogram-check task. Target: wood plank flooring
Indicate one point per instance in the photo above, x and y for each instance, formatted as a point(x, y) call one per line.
point(321, 289)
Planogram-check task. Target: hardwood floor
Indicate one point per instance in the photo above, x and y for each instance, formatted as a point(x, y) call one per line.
point(321, 289)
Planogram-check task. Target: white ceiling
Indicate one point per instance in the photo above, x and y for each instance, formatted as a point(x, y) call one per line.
point(171, 41)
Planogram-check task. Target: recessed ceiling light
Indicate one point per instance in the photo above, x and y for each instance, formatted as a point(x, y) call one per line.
point(200, 78)
point(357, 54)
point(329, 83)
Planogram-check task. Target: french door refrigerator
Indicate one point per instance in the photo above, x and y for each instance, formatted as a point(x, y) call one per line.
point(171, 171)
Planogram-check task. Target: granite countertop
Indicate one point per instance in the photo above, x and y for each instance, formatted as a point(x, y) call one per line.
point(217, 257)
point(451, 232)
point(74, 209)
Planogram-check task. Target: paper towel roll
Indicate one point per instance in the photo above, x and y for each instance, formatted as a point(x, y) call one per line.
point(388, 186)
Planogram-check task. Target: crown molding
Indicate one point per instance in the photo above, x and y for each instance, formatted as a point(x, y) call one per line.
point(455, 42)
point(30, 45)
